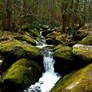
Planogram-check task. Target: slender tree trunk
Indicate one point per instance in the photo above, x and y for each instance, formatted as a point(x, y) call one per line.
point(8, 15)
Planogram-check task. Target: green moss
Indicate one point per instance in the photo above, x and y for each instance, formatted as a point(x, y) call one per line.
point(63, 52)
point(24, 27)
point(28, 39)
point(82, 77)
point(58, 46)
point(9, 46)
point(84, 52)
point(50, 41)
point(87, 40)
point(16, 74)
point(19, 72)
point(75, 50)
point(34, 32)
point(62, 38)
point(53, 34)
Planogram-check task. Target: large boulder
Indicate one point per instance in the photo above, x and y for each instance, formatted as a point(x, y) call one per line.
point(63, 52)
point(84, 52)
point(66, 61)
point(21, 74)
point(13, 50)
point(57, 38)
point(78, 81)
point(34, 32)
point(53, 35)
point(26, 38)
point(51, 38)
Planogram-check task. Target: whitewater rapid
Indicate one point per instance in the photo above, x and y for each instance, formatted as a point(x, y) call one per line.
point(49, 77)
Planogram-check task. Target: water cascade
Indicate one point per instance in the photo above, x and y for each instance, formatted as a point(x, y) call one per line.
point(49, 77)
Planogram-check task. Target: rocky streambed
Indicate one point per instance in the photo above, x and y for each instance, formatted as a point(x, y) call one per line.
point(23, 62)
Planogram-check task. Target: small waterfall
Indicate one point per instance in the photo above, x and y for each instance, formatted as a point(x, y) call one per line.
point(49, 77)
point(42, 42)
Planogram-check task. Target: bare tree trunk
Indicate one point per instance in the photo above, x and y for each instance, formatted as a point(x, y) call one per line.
point(8, 15)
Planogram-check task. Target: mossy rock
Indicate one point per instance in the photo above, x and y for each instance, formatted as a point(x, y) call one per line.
point(83, 51)
point(78, 81)
point(61, 39)
point(34, 32)
point(66, 61)
point(87, 40)
point(45, 27)
point(15, 49)
point(80, 34)
point(23, 72)
point(63, 52)
point(50, 41)
point(6, 47)
point(53, 35)
point(27, 38)
point(66, 39)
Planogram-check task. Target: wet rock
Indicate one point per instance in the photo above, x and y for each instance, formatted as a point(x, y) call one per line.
point(15, 49)
point(84, 52)
point(66, 60)
point(27, 39)
point(78, 81)
point(19, 76)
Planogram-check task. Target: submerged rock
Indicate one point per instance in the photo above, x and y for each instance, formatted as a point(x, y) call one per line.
point(78, 81)
point(22, 73)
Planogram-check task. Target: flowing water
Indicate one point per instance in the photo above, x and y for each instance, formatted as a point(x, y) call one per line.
point(49, 77)
point(41, 43)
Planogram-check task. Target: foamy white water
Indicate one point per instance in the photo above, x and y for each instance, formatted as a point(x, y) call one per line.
point(49, 77)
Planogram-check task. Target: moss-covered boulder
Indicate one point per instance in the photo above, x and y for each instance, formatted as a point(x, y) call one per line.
point(22, 73)
point(62, 38)
point(84, 52)
point(66, 39)
point(59, 38)
point(45, 27)
point(50, 41)
point(63, 52)
point(15, 49)
point(66, 60)
point(34, 32)
point(27, 38)
point(87, 40)
point(53, 35)
point(78, 81)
